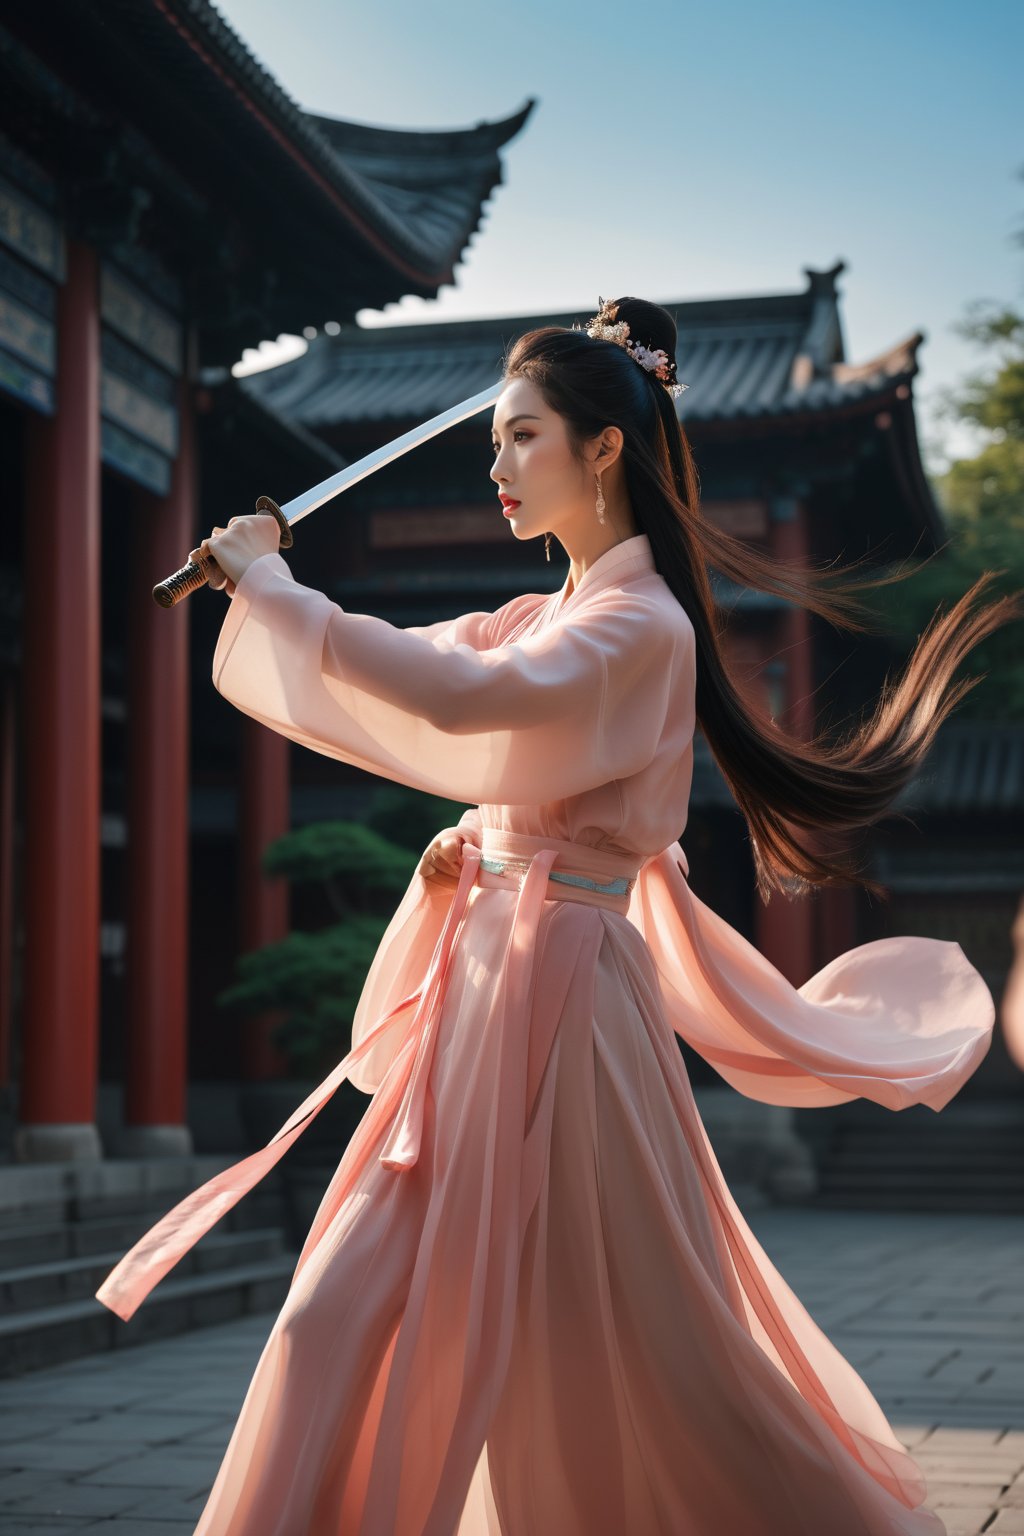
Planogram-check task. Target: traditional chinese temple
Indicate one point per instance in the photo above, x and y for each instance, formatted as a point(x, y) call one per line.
point(163, 205)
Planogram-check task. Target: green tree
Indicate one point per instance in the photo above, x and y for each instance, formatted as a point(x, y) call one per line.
point(316, 978)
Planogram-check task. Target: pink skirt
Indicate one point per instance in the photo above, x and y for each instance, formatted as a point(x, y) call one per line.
point(528, 1304)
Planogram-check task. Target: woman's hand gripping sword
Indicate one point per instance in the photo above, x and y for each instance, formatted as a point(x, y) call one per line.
point(201, 569)
point(197, 572)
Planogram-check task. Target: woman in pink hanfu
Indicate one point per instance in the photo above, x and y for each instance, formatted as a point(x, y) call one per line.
point(528, 1304)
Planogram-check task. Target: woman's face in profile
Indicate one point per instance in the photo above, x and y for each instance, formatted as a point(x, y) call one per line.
point(533, 463)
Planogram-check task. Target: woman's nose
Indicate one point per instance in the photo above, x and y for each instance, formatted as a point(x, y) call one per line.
point(496, 471)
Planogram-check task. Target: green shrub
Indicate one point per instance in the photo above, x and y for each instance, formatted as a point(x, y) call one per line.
point(316, 978)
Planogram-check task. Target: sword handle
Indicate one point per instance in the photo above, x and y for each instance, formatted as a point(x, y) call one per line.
point(196, 573)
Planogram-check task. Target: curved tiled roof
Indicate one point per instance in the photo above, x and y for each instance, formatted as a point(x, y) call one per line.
point(369, 169)
point(764, 356)
point(974, 765)
point(429, 184)
point(395, 207)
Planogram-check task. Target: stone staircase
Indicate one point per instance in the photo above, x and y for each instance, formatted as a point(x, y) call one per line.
point(968, 1157)
point(63, 1227)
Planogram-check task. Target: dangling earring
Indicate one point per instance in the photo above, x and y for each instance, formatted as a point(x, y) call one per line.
point(600, 500)
point(547, 546)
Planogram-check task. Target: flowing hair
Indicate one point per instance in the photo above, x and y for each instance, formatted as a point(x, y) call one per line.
point(780, 782)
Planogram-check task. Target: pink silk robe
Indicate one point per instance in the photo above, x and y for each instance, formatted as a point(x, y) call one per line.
point(528, 1304)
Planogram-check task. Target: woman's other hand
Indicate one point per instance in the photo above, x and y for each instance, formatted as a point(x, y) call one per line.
point(442, 859)
point(234, 548)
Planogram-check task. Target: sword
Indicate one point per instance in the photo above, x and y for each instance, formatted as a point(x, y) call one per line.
point(195, 573)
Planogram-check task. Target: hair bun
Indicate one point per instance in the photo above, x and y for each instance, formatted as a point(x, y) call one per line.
point(649, 324)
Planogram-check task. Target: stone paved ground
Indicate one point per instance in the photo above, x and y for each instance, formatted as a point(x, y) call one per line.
point(928, 1308)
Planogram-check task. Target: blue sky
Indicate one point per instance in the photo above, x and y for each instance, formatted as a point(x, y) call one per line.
point(698, 151)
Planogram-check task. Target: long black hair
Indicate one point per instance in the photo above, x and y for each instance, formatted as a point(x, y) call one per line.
point(780, 782)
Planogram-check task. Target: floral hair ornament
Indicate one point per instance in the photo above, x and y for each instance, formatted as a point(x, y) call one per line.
point(605, 327)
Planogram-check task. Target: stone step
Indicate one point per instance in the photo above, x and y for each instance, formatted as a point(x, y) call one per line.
point(970, 1156)
point(943, 1194)
point(960, 1114)
point(35, 1286)
point(870, 1158)
point(32, 1340)
point(882, 1199)
point(921, 1178)
point(1007, 1143)
point(40, 1242)
point(64, 1226)
point(113, 1187)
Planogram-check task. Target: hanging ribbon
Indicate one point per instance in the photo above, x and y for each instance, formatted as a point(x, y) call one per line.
point(402, 1148)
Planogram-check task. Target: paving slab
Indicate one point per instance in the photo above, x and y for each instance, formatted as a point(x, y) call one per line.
point(923, 1304)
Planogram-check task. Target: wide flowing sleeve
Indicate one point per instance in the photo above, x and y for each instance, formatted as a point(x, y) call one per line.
point(900, 1021)
point(580, 703)
point(468, 629)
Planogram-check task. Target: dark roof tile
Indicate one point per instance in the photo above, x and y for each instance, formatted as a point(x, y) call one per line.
point(417, 195)
point(762, 357)
point(974, 766)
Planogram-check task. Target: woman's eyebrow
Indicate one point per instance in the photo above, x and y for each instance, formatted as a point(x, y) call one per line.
point(523, 416)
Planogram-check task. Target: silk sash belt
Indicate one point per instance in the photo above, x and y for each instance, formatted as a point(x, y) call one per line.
point(507, 858)
point(592, 876)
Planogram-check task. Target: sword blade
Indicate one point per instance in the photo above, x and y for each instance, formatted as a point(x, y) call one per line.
point(310, 500)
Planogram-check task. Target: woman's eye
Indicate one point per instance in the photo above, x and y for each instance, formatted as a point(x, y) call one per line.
point(517, 433)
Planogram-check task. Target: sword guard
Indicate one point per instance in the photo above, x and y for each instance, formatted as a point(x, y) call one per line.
point(266, 505)
point(195, 573)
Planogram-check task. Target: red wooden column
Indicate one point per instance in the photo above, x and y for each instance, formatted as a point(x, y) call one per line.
point(785, 925)
point(264, 814)
point(837, 922)
point(61, 715)
point(8, 716)
point(157, 875)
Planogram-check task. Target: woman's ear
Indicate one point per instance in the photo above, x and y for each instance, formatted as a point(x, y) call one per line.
point(604, 449)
